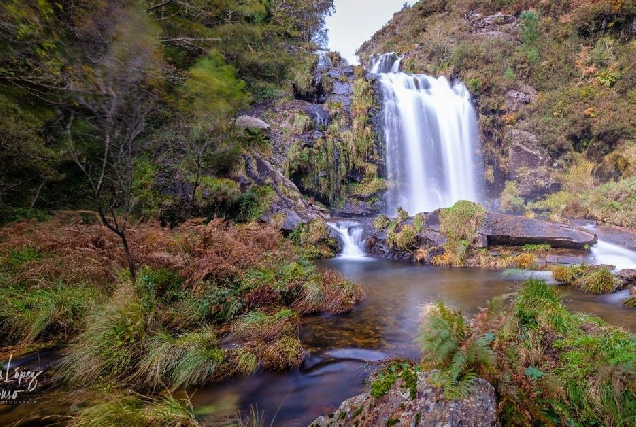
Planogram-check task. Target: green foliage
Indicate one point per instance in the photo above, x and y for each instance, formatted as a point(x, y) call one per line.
point(510, 199)
point(384, 380)
point(540, 247)
point(475, 86)
point(589, 278)
point(213, 89)
point(449, 346)
point(529, 27)
point(55, 312)
point(418, 222)
point(381, 222)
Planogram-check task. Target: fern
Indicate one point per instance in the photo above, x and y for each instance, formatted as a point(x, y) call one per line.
point(480, 353)
point(447, 346)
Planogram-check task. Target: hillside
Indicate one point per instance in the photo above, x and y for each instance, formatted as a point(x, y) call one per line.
point(554, 85)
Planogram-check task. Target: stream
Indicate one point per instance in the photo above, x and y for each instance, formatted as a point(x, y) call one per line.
point(342, 350)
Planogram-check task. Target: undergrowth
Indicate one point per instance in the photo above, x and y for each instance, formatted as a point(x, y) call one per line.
point(198, 285)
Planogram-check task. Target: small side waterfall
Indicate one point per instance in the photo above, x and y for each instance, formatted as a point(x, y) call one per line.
point(431, 136)
point(351, 234)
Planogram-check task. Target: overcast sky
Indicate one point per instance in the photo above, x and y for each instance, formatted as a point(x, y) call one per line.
point(356, 20)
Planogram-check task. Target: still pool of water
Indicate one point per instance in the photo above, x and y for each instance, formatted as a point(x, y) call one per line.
point(342, 349)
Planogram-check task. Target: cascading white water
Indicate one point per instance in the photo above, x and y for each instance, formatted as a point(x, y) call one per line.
point(611, 254)
point(431, 136)
point(351, 234)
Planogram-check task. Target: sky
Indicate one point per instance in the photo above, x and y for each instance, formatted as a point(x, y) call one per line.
point(356, 21)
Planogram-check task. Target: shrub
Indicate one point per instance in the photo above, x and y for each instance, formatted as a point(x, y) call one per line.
point(402, 215)
point(460, 222)
point(418, 222)
point(526, 261)
point(406, 237)
point(381, 222)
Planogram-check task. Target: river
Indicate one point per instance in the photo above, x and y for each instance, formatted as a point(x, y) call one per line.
point(342, 349)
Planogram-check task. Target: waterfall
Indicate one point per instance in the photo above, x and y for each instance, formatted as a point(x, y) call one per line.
point(351, 234)
point(431, 136)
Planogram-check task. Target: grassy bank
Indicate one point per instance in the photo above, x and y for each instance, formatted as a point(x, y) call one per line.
point(211, 301)
point(548, 365)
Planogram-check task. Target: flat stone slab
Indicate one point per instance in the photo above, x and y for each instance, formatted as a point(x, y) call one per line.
point(511, 230)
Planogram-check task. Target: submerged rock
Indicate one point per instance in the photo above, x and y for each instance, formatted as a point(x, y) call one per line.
point(428, 408)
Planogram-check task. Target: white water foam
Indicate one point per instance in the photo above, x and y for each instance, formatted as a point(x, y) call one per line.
point(432, 139)
point(351, 234)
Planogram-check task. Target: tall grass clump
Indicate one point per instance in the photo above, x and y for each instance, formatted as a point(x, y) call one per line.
point(556, 367)
point(127, 408)
point(459, 223)
point(54, 313)
point(589, 278)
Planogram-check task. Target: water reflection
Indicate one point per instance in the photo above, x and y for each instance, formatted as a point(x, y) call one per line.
point(343, 349)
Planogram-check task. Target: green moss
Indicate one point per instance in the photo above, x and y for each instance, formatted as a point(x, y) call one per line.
point(381, 222)
point(406, 237)
point(402, 215)
point(510, 200)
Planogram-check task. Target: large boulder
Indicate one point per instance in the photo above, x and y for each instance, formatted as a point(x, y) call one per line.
point(503, 229)
point(428, 408)
point(250, 122)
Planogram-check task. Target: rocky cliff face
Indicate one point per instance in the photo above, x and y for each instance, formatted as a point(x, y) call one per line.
point(323, 141)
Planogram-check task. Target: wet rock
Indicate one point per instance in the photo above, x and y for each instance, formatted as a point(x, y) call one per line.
point(428, 408)
point(627, 276)
point(319, 115)
point(342, 88)
point(503, 229)
point(564, 259)
point(250, 122)
point(430, 238)
point(356, 208)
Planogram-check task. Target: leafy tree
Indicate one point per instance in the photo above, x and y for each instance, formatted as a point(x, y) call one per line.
point(116, 96)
